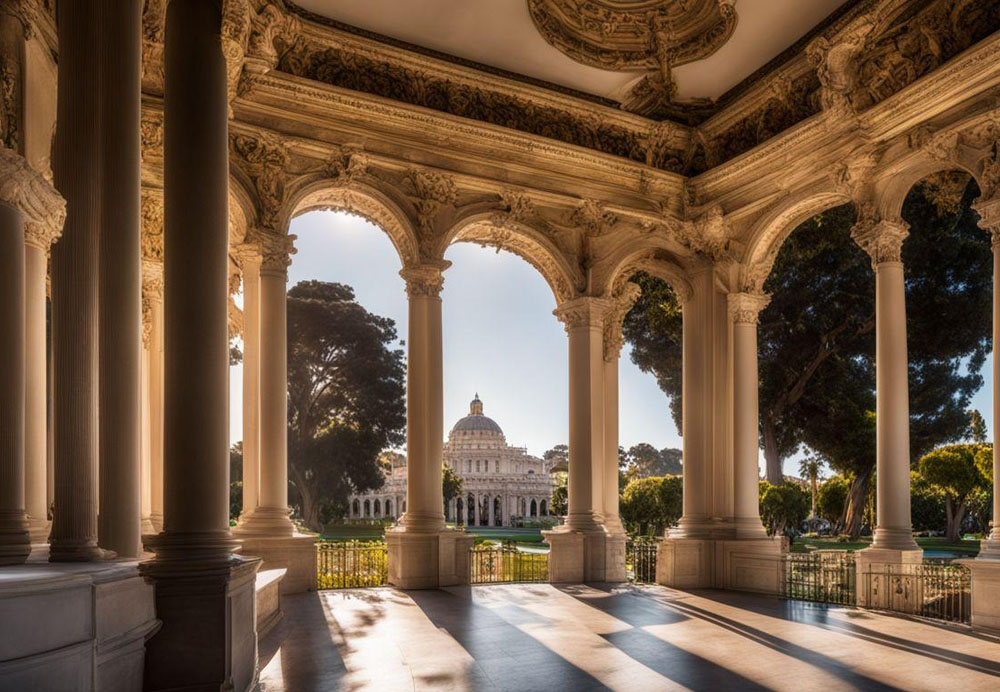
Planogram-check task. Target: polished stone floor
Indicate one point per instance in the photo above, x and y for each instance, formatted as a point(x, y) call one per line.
point(539, 637)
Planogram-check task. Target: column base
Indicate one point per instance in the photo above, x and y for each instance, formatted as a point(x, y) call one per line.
point(38, 530)
point(578, 556)
point(156, 518)
point(898, 538)
point(265, 522)
point(989, 549)
point(985, 593)
point(77, 550)
point(747, 564)
point(146, 528)
point(296, 554)
point(15, 541)
point(209, 634)
point(427, 560)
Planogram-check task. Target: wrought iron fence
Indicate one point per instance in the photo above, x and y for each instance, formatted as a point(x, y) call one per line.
point(640, 560)
point(351, 564)
point(506, 564)
point(942, 591)
point(823, 577)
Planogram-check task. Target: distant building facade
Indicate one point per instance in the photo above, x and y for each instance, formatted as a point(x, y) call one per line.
point(500, 483)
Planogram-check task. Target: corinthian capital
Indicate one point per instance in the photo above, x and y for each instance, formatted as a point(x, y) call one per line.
point(275, 250)
point(744, 308)
point(989, 217)
point(423, 280)
point(25, 189)
point(882, 239)
point(624, 298)
point(584, 312)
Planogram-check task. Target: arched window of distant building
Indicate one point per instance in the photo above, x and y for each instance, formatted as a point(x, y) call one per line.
point(496, 468)
point(357, 508)
point(388, 508)
point(378, 508)
point(368, 508)
point(542, 508)
point(534, 508)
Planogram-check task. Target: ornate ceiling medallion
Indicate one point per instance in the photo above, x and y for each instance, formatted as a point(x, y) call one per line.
point(627, 35)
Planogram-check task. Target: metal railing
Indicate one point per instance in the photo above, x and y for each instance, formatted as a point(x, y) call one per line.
point(941, 591)
point(506, 564)
point(351, 564)
point(823, 577)
point(640, 560)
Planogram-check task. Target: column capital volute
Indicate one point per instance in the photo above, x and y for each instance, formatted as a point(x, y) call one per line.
point(424, 280)
point(623, 299)
point(882, 239)
point(274, 250)
point(744, 308)
point(584, 312)
point(27, 190)
point(989, 217)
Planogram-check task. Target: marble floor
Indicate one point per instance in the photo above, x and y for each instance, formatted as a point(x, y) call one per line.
point(540, 637)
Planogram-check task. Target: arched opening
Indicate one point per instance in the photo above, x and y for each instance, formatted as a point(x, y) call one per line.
point(388, 509)
point(534, 508)
point(470, 518)
point(497, 512)
point(368, 509)
point(543, 508)
point(378, 507)
point(356, 508)
point(460, 512)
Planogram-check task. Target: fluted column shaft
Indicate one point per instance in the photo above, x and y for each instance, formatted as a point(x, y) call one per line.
point(156, 407)
point(584, 322)
point(883, 242)
point(15, 542)
point(744, 309)
point(424, 401)
point(250, 263)
point(119, 304)
point(36, 405)
point(76, 164)
point(196, 275)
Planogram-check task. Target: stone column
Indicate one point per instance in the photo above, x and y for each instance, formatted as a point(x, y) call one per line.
point(37, 241)
point(579, 546)
point(883, 241)
point(200, 585)
point(120, 278)
point(30, 212)
point(270, 518)
point(989, 219)
point(76, 163)
point(744, 309)
point(249, 258)
point(153, 290)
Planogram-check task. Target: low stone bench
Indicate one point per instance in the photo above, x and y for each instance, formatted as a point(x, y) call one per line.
point(268, 596)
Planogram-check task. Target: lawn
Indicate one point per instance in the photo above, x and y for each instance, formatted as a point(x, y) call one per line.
point(805, 545)
point(375, 533)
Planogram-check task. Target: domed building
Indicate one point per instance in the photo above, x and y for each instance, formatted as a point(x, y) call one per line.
point(501, 484)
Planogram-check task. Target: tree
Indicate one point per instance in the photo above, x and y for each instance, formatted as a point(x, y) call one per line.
point(782, 506)
point(953, 471)
point(345, 397)
point(451, 484)
point(810, 468)
point(235, 480)
point(650, 505)
point(831, 500)
point(927, 512)
point(560, 496)
point(649, 461)
point(977, 427)
point(558, 458)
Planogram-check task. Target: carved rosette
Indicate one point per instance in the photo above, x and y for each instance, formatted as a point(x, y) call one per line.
point(425, 280)
point(586, 312)
point(624, 298)
point(744, 308)
point(881, 239)
point(27, 190)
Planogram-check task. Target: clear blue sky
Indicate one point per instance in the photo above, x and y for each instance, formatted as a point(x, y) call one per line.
point(500, 337)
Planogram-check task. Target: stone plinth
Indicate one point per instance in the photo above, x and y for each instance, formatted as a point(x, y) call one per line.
point(614, 557)
point(583, 556)
point(296, 554)
point(873, 567)
point(267, 589)
point(428, 560)
point(985, 594)
point(752, 564)
point(209, 636)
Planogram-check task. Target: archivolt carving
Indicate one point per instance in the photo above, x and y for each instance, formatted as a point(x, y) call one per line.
point(624, 298)
point(504, 232)
point(363, 201)
point(640, 257)
point(9, 103)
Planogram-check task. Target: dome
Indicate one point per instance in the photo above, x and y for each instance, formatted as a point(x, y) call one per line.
point(476, 421)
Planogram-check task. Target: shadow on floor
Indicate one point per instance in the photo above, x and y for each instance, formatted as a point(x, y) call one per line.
point(309, 660)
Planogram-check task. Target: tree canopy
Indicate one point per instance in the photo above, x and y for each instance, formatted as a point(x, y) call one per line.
point(346, 401)
point(651, 505)
point(953, 471)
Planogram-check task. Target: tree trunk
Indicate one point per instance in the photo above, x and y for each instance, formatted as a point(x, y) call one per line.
point(854, 511)
point(814, 486)
point(955, 515)
point(771, 458)
point(310, 508)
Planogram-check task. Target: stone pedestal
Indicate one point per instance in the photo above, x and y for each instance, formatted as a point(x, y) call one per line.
point(985, 594)
point(428, 560)
point(583, 556)
point(296, 554)
point(703, 563)
point(614, 557)
point(873, 567)
point(209, 635)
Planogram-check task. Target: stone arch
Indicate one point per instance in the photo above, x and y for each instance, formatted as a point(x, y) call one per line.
point(769, 232)
point(383, 208)
point(641, 256)
point(892, 188)
point(501, 231)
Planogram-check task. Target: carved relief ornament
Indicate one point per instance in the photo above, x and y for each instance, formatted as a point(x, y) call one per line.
point(27, 190)
point(586, 312)
point(274, 249)
point(264, 158)
point(425, 280)
point(152, 226)
point(881, 239)
point(744, 308)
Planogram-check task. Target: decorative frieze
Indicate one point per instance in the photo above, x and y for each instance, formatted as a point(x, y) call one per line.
point(744, 308)
point(424, 280)
point(27, 190)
